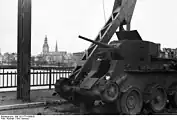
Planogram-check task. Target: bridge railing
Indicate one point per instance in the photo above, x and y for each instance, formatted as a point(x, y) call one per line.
point(40, 76)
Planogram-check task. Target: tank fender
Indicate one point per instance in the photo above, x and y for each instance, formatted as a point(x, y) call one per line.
point(120, 80)
point(172, 88)
point(127, 81)
point(169, 80)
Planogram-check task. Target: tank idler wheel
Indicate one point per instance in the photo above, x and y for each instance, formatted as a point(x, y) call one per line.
point(60, 87)
point(158, 99)
point(131, 102)
point(111, 93)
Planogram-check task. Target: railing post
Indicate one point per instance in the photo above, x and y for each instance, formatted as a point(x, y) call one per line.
point(3, 77)
point(50, 78)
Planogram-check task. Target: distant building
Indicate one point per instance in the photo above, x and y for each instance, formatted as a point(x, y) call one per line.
point(1, 58)
point(57, 57)
point(169, 53)
point(6, 57)
point(53, 56)
point(77, 57)
point(9, 58)
point(45, 49)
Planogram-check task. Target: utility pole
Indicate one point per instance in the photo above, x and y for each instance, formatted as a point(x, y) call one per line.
point(24, 50)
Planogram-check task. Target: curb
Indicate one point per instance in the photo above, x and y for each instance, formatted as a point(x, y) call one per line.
point(32, 105)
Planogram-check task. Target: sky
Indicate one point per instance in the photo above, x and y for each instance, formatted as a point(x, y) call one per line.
point(64, 20)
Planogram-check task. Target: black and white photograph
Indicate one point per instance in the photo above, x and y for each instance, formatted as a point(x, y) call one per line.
point(87, 57)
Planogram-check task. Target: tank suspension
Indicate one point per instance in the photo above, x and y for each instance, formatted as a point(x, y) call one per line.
point(157, 98)
point(111, 93)
point(130, 102)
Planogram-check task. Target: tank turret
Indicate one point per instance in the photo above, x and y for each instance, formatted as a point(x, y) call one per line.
point(108, 51)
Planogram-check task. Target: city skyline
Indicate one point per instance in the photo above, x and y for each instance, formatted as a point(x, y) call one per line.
point(51, 49)
point(64, 21)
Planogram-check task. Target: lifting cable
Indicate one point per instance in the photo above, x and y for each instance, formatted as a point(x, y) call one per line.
point(104, 10)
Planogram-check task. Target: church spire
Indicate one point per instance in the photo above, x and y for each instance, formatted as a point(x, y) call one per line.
point(45, 46)
point(56, 47)
point(45, 40)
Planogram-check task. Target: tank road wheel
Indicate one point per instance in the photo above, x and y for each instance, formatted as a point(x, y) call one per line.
point(131, 102)
point(158, 99)
point(111, 93)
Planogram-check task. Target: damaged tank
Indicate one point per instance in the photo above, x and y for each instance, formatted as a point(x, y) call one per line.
point(127, 73)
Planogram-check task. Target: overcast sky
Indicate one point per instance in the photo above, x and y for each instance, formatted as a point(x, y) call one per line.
point(64, 20)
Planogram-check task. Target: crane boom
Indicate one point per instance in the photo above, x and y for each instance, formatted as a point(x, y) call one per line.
point(121, 15)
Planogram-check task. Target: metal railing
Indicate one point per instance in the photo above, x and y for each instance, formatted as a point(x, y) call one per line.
point(40, 76)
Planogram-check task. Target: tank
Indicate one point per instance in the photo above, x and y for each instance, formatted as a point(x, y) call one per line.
point(128, 73)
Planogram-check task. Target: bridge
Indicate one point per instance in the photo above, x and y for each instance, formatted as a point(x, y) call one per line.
point(42, 80)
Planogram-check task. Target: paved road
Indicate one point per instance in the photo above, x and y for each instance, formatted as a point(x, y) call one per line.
point(47, 110)
point(8, 98)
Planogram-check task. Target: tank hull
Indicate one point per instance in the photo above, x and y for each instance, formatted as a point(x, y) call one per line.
point(142, 81)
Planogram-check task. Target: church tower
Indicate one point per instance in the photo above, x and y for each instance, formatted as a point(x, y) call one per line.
point(56, 47)
point(45, 49)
